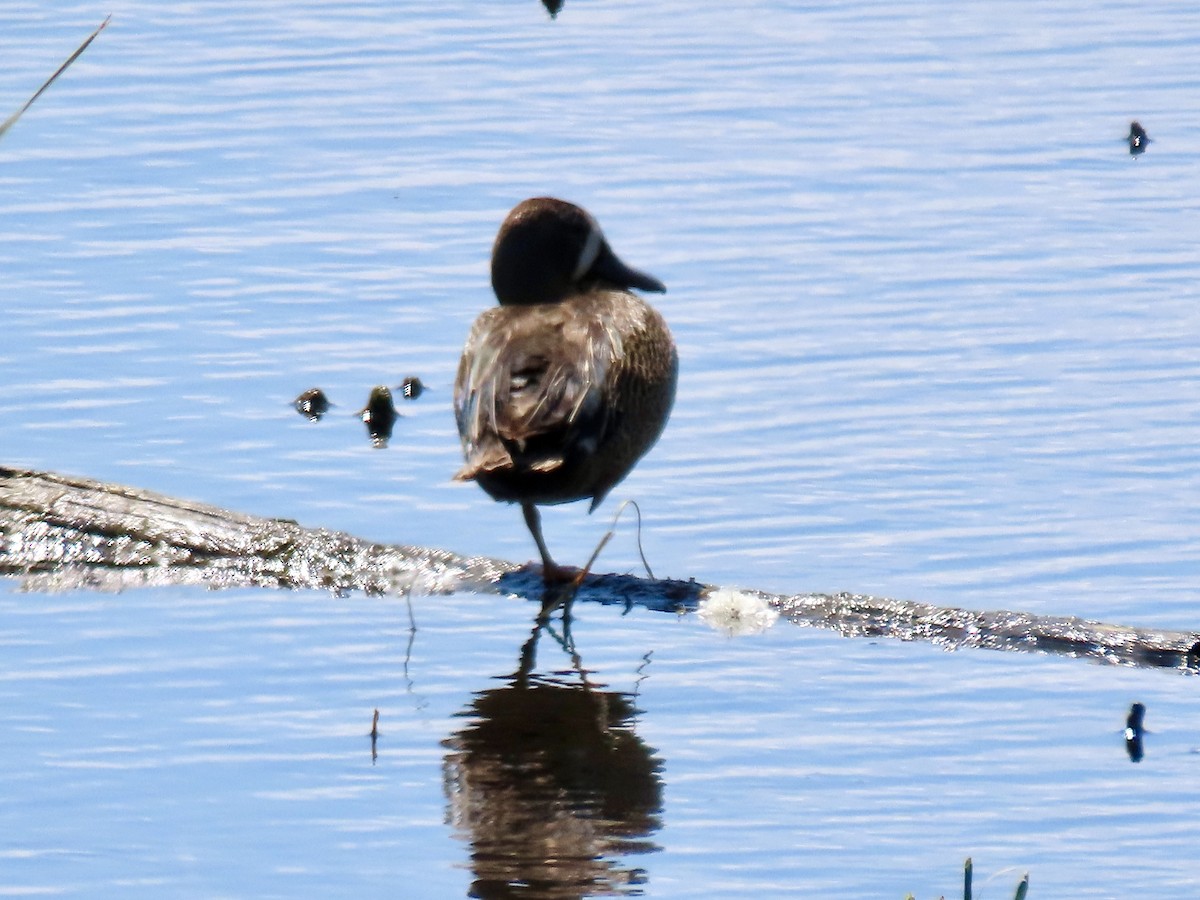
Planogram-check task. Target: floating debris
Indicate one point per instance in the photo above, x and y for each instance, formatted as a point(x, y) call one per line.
point(411, 388)
point(312, 404)
point(737, 612)
point(1138, 139)
point(1134, 732)
point(379, 415)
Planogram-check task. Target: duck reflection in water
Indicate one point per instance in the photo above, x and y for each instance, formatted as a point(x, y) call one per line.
point(552, 787)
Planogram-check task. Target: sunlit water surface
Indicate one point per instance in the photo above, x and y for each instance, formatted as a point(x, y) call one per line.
point(938, 335)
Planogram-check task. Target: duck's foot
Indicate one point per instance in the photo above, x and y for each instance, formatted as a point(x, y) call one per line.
point(559, 586)
point(554, 575)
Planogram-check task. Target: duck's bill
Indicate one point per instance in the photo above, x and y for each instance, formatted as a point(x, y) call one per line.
point(609, 267)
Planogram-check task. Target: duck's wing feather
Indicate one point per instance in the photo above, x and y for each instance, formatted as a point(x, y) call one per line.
point(530, 387)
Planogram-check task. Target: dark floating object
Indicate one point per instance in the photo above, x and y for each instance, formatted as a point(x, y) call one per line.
point(1138, 139)
point(566, 384)
point(411, 388)
point(553, 7)
point(1134, 732)
point(379, 415)
point(312, 403)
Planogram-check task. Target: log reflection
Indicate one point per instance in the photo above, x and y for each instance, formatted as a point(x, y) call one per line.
point(551, 786)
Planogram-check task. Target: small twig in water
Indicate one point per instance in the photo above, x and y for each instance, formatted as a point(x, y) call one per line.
point(556, 596)
point(412, 620)
point(410, 685)
point(11, 120)
point(374, 736)
point(608, 535)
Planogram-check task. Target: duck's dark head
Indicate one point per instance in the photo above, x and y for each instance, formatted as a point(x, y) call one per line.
point(549, 249)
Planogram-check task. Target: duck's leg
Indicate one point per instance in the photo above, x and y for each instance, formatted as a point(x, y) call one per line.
point(533, 521)
point(552, 572)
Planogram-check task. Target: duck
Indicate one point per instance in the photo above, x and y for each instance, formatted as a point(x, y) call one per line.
point(569, 380)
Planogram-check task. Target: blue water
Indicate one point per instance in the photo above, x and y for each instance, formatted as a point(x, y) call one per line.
point(938, 342)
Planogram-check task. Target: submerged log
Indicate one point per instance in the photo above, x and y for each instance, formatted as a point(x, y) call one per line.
point(60, 533)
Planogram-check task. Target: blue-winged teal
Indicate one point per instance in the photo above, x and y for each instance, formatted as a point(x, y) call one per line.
point(569, 381)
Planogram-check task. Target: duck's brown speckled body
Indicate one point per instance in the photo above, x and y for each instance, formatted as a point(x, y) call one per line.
point(570, 380)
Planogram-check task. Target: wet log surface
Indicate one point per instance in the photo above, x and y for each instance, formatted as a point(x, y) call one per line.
point(61, 533)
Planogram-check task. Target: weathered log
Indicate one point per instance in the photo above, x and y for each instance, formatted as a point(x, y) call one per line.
point(61, 533)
